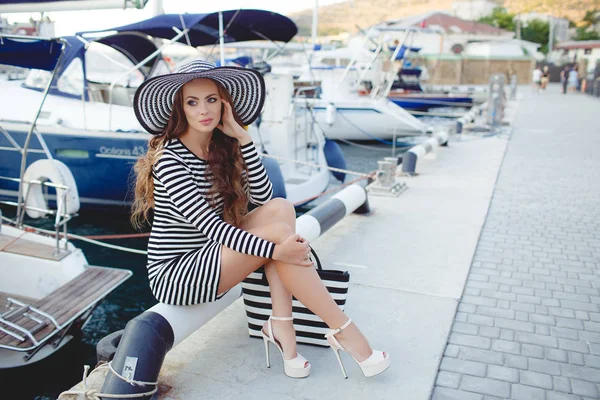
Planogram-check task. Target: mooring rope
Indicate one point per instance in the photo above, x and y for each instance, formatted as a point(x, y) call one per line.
point(78, 237)
point(94, 394)
point(345, 171)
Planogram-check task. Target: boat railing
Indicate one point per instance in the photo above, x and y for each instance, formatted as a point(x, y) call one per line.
point(62, 217)
point(27, 311)
point(308, 127)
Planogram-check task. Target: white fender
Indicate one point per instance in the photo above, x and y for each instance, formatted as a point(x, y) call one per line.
point(330, 111)
point(57, 173)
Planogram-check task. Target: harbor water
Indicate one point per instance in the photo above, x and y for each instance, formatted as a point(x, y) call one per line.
point(46, 379)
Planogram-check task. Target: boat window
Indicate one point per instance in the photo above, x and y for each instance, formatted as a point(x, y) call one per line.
point(71, 81)
point(73, 153)
point(105, 65)
point(37, 79)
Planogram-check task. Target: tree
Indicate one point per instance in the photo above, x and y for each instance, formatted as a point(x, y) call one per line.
point(584, 34)
point(500, 18)
point(585, 27)
point(591, 17)
point(537, 31)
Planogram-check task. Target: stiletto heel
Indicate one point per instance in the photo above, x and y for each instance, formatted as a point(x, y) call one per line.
point(267, 351)
point(337, 354)
point(378, 362)
point(297, 367)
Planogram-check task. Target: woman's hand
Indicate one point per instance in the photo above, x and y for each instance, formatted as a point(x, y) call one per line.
point(294, 250)
point(230, 127)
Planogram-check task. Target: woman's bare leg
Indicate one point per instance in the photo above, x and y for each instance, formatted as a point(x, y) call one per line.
point(304, 283)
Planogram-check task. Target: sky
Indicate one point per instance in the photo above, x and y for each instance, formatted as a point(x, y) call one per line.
point(70, 22)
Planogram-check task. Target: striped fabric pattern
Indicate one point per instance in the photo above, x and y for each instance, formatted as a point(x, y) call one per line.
point(153, 100)
point(184, 257)
point(310, 329)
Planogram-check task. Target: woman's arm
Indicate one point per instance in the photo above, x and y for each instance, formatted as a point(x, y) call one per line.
point(179, 184)
point(258, 184)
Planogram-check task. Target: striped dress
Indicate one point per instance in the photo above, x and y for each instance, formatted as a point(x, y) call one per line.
point(184, 250)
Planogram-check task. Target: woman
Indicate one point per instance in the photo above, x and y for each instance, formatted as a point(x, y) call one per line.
point(199, 174)
point(545, 77)
point(573, 79)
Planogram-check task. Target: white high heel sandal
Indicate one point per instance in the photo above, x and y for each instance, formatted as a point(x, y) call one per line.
point(378, 362)
point(297, 367)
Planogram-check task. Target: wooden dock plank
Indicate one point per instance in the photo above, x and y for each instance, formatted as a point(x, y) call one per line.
point(70, 300)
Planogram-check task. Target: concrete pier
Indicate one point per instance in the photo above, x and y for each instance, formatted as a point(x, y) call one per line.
point(482, 280)
point(408, 263)
point(528, 323)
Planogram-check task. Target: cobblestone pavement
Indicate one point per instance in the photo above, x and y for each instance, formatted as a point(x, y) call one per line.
point(528, 323)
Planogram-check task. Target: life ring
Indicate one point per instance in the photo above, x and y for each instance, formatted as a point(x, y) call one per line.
point(56, 172)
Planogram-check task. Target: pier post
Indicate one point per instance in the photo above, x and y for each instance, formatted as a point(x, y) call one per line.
point(496, 100)
point(321, 218)
point(410, 158)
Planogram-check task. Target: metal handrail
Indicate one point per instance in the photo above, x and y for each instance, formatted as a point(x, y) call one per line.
point(61, 215)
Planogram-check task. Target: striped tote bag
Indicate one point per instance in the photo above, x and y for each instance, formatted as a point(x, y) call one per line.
point(310, 329)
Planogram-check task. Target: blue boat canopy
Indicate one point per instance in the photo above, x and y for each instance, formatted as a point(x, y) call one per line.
point(240, 26)
point(135, 46)
point(30, 53)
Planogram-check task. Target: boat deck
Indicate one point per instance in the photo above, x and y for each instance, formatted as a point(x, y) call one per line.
point(65, 304)
point(26, 247)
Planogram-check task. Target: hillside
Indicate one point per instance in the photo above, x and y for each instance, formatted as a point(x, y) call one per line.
point(344, 17)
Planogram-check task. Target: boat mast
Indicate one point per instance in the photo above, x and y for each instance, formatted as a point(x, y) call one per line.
point(158, 8)
point(25, 149)
point(221, 39)
point(315, 20)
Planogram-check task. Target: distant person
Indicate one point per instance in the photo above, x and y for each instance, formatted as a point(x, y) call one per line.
point(564, 78)
point(545, 78)
point(573, 79)
point(536, 77)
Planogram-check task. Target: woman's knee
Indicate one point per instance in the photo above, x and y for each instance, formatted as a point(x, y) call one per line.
point(276, 232)
point(281, 209)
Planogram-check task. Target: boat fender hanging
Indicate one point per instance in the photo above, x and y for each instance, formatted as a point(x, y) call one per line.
point(335, 158)
point(330, 111)
point(276, 177)
point(56, 172)
point(140, 354)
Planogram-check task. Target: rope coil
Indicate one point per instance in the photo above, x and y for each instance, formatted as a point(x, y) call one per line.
point(94, 394)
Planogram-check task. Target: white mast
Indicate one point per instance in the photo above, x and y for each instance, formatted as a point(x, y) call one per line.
point(158, 8)
point(314, 23)
point(221, 39)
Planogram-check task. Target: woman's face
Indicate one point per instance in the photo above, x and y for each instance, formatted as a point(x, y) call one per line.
point(202, 105)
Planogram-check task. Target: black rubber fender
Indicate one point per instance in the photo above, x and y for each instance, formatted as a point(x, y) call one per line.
point(140, 354)
point(107, 346)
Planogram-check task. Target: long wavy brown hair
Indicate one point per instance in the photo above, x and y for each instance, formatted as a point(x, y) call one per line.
point(225, 167)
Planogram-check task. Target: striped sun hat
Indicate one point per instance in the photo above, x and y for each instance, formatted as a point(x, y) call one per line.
point(153, 101)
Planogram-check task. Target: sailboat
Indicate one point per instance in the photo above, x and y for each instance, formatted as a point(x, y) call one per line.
point(48, 290)
point(88, 122)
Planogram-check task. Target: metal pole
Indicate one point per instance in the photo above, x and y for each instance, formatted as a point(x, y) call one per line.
point(25, 148)
point(550, 34)
point(137, 67)
point(315, 20)
point(221, 38)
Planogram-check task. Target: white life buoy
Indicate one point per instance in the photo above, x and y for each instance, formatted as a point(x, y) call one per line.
point(57, 173)
point(330, 111)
